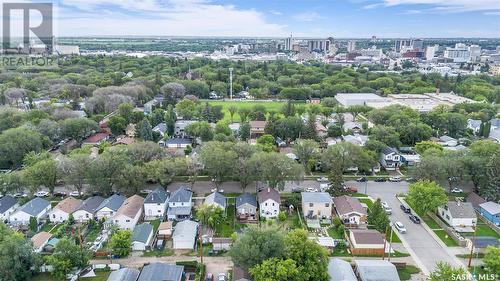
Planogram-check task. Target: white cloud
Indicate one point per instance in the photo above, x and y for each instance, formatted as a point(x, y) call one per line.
point(445, 6)
point(276, 13)
point(307, 16)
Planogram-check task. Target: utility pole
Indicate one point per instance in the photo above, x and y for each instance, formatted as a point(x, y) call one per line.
point(201, 243)
point(472, 246)
point(231, 83)
point(390, 247)
point(385, 242)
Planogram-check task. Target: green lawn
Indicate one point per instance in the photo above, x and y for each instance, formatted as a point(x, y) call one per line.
point(269, 105)
point(445, 238)
point(395, 236)
point(47, 227)
point(482, 230)
point(92, 233)
point(334, 233)
point(155, 224)
point(226, 228)
point(405, 273)
point(431, 223)
point(56, 228)
point(43, 277)
point(367, 201)
point(100, 276)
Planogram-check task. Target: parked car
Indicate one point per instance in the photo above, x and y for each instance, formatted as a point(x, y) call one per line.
point(222, 190)
point(414, 219)
point(311, 189)
point(388, 210)
point(322, 179)
point(324, 186)
point(384, 204)
point(411, 179)
point(457, 190)
point(60, 193)
point(75, 193)
point(400, 227)
point(210, 277)
point(146, 191)
point(296, 189)
point(351, 189)
point(395, 179)
point(42, 193)
point(380, 179)
point(405, 209)
point(361, 179)
point(20, 195)
point(222, 277)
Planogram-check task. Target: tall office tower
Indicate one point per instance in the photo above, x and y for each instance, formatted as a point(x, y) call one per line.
point(351, 46)
point(430, 51)
point(475, 53)
point(417, 45)
point(288, 43)
point(402, 44)
point(318, 45)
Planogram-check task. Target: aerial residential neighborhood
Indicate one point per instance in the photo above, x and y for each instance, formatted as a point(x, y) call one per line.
point(250, 140)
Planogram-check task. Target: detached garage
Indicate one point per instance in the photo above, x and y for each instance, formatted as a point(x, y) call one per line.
point(185, 235)
point(142, 237)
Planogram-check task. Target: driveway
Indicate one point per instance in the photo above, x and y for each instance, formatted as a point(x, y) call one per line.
point(422, 246)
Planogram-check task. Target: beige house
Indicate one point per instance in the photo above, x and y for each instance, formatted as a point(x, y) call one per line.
point(350, 211)
point(63, 209)
point(39, 241)
point(317, 205)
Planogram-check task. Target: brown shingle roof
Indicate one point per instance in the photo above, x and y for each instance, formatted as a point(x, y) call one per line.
point(347, 204)
point(475, 200)
point(40, 238)
point(269, 193)
point(367, 236)
point(68, 205)
point(131, 206)
point(257, 124)
point(165, 225)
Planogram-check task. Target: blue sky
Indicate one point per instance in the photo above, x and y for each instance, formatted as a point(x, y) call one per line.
point(337, 18)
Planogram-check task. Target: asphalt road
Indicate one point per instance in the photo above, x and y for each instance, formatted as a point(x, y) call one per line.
point(422, 246)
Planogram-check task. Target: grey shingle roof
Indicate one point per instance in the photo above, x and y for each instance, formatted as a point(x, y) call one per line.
point(35, 206)
point(316, 197)
point(6, 203)
point(161, 272)
point(340, 270)
point(461, 209)
point(217, 198)
point(269, 193)
point(159, 195)
point(181, 195)
point(90, 204)
point(113, 202)
point(388, 150)
point(376, 270)
point(162, 127)
point(347, 204)
point(142, 232)
point(246, 198)
point(124, 274)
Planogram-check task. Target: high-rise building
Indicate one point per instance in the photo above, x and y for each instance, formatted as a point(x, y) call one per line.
point(318, 45)
point(418, 45)
point(460, 53)
point(430, 51)
point(475, 53)
point(351, 46)
point(288, 43)
point(404, 45)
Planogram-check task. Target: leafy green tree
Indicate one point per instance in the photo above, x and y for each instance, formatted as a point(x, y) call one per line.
point(425, 196)
point(201, 130)
point(275, 169)
point(125, 111)
point(43, 173)
point(307, 151)
point(186, 109)
point(256, 245)
point(385, 134)
point(164, 170)
point(16, 143)
point(17, 258)
point(120, 242)
point(309, 131)
point(170, 118)
point(144, 130)
point(335, 131)
point(311, 259)
point(288, 109)
point(66, 257)
point(377, 217)
point(232, 111)
point(244, 171)
point(78, 128)
point(10, 118)
point(117, 125)
point(275, 269)
point(210, 215)
point(423, 146)
point(266, 143)
point(74, 170)
point(244, 132)
point(444, 272)
point(104, 172)
point(492, 259)
point(219, 160)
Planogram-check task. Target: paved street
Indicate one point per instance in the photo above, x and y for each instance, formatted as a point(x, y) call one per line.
point(422, 246)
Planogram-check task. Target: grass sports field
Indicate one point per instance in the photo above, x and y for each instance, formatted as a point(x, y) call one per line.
point(269, 105)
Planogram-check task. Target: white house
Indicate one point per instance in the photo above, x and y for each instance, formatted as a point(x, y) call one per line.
point(142, 237)
point(60, 213)
point(458, 214)
point(269, 203)
point(448, 141)
point(390, 158)
point(179, 204)
point(474, 125)
point(87, 209)
point(350, 210)
point(37, 208)
point(129, 213)
point(155, 204)
point(216, 199)
point(110, 206)
point(8, 205)
point(184, 236)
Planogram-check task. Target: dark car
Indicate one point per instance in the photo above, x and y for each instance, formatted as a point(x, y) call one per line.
point(210, 277)
point(380, 180)
point(411, 179)
point(296, 189)
point(405, 209)
point(414, 219)
point(361, 179)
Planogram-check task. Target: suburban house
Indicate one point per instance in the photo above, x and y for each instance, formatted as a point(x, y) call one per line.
point(390, 158)
point(110, 206)
point(124, 274)
point(158, 271)
point(350, 210)
point(142, 237)
point(216, 199)
point(495, 130)
point(321, 130)
point(491, 212)
point(317, 205)
point(366, 242)
point(340, 270)
point(184, 236)
point(36, 207)
point(176, 143)
point(246, 206)
point(8, 205)
point(475, 200)
point(359, 140)
point(180, 128)
point(269, 202)
point(257, 128)
point(179, 205)
point(474, 125)
point(448, 141)
point(165, 230)
point(355, 127)
point(60, 213)
point(221, 243)
point(160, 129)
point(129, 213)
point(39, 241)
point(87, 209)
point(150, 105)
point(155, 204)
point(410, 159)
point(458, 215)
point(370, 270)
point(96, 139)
